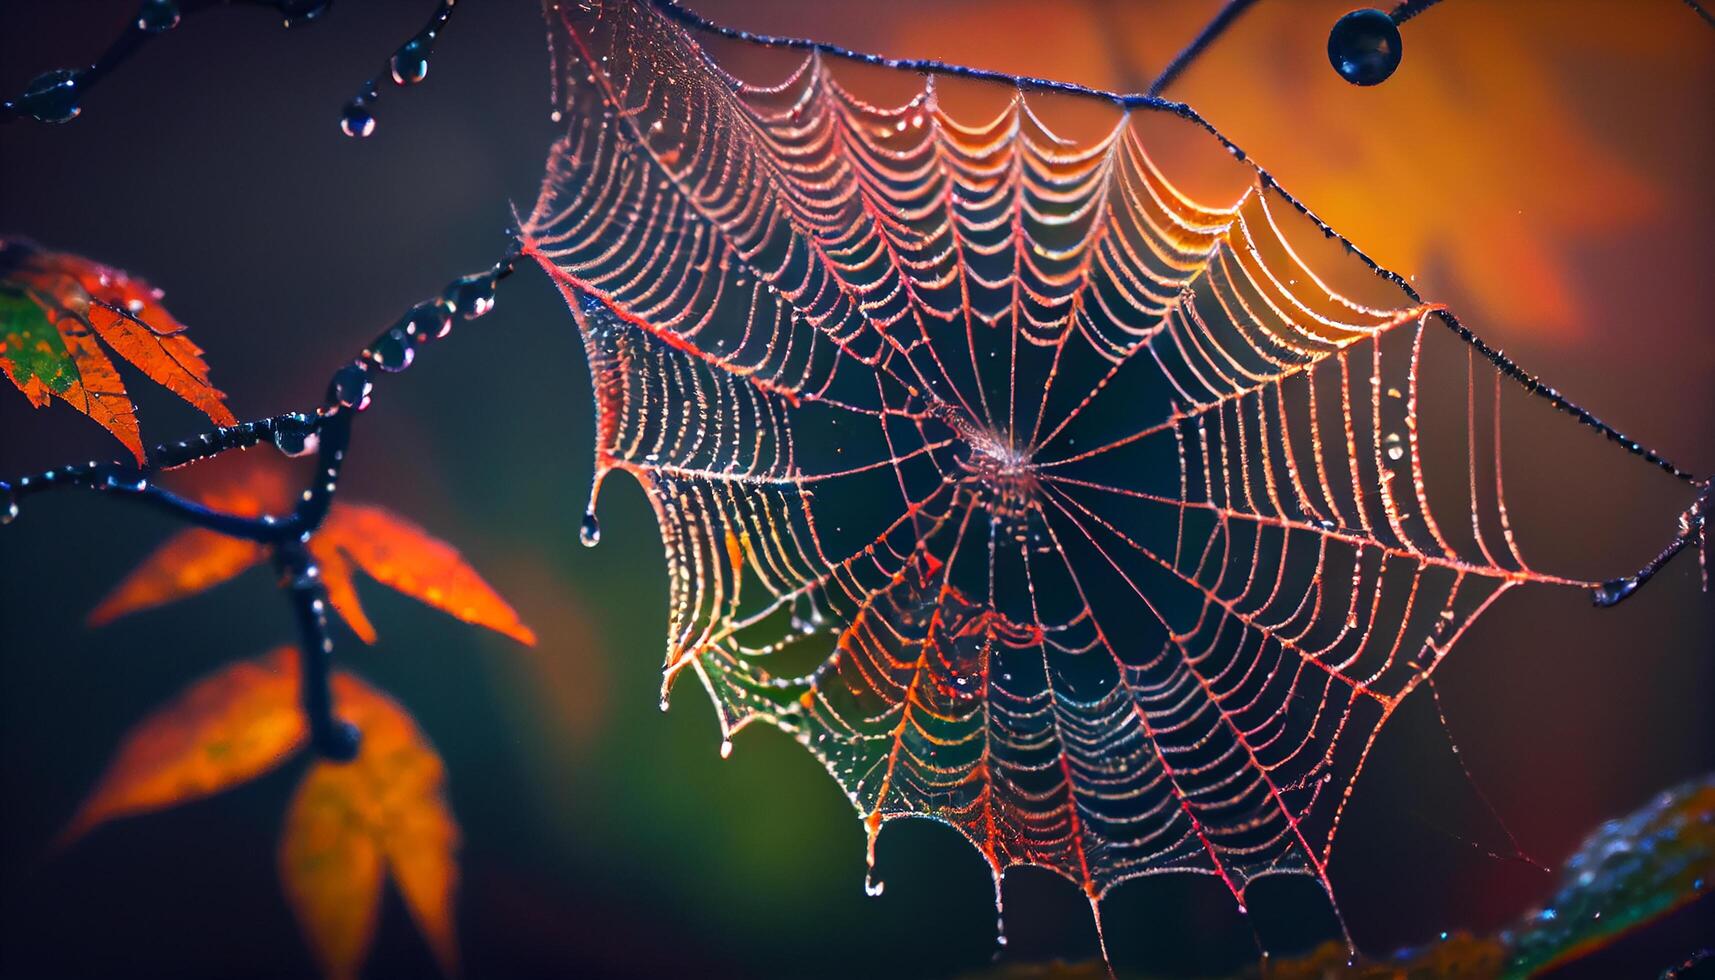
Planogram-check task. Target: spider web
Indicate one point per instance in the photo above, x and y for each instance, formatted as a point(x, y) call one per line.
point(1029, 494)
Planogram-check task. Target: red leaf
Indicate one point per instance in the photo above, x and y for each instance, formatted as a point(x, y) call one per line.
point(82, 301)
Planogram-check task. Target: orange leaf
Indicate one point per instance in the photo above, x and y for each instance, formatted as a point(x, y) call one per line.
point(342, 592)
point(388, 803)
point(155, 342)
point(403, 556)
point(330, 867)
point(225, 729)
point(98, 393)
point(394, 551)
point(190, 561)
point(46, 292)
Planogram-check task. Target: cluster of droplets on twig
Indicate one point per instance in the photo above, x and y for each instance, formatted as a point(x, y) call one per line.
point(57, 96)
point(324, 432)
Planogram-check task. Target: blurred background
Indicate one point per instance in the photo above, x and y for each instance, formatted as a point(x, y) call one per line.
point(1543, 167)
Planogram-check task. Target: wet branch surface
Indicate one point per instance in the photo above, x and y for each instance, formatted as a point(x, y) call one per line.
point(326, 432)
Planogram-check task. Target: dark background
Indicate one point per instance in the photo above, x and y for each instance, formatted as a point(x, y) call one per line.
point(604, 838)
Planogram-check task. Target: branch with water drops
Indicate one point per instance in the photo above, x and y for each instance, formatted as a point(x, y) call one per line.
point(57, 96)
point(1364, 45)
point(325, 432)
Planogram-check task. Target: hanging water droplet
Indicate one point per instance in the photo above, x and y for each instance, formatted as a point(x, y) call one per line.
point(1364, 47)
point(393, 351)
point(471, 296)
point(295, 435)
point(427, 321)
point(356, 121)
point(873, 886)
point(158, 15)
point(1396, 453)
point(589, 534)
point(341, 742)
point(351, 387)
point(410, 64)
point(8, 507)
point(1613, 590)
point(52, 96)
point(296, 12)
point(726, 748)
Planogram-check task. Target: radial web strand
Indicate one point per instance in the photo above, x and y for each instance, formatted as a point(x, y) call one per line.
point(1028, 493)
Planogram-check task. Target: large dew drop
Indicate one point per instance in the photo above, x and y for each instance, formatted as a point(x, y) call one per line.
point(356, 121)
point(52, 96)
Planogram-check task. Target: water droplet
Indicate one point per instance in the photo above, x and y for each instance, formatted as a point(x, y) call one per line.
point(726, 748)
point(1396, 453)
point(589, 534)
point(157, 16)
point(427, 321)
point(1613, 590)
point(356, 121)
point(351, 386)
point(410, 64)
point(873, 886)
point(296, 435)
point(1364, 47)
point(296, 12)
point(52, 96)
point(393, 350)
point(8, 507)
point(471, 296)
point(341, 742)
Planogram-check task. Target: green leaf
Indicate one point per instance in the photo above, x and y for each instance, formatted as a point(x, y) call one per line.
point(1628, 873)
point(31, 346)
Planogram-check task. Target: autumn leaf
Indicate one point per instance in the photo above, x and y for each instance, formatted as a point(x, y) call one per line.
point(188, 563)
point(404, 557)
point(387, 808)
point(57, 310)
point(223, 730)
point(392, 550)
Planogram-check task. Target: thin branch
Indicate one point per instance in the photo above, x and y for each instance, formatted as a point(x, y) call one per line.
point(327, 433)
point(54, 96)
point(1214, 29)
point(301, 579)
point(1694, 528)
point(1409, 9)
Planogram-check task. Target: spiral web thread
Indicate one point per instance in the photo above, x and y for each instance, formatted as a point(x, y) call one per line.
point(1029, 494)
